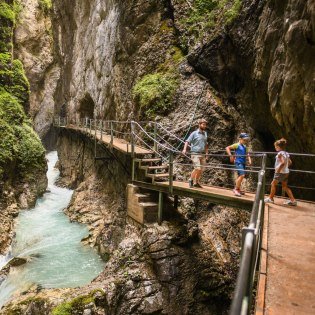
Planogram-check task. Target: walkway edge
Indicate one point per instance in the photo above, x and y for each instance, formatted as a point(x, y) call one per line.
point(262, 280)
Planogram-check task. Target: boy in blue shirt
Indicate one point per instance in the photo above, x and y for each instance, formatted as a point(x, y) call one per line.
point(239, 160)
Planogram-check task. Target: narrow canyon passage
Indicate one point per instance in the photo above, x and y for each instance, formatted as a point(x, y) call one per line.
point(51, 245)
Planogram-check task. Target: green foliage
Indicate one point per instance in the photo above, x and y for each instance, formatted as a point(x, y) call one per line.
point(7, 12)
point(155, 92)
point(30, 151)
point(19, 144)
point(206, 15)
point(11, 110)
point(233, 12)
point(45, 5)
point(76, 305)
point(6, 34)
point(12, 77)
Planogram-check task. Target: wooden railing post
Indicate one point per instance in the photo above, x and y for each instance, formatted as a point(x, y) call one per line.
point(170, 171)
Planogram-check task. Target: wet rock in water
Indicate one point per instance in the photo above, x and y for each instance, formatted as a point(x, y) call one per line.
point(17, 261)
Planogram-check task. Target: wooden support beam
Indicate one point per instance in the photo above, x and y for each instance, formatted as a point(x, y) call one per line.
point(160, 210)
point(176, 202)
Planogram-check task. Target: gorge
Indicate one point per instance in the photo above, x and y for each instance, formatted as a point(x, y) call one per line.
point(243, 65)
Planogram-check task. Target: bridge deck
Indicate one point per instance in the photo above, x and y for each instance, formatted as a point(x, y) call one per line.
point(289, 285)
point(119, 144)
point(210, 193)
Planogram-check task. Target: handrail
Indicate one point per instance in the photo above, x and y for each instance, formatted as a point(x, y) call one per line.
point(242, 300)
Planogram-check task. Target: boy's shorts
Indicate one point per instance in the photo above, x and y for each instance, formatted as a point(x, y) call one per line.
point(240, 167)
point(281, 177)
point(198, 161)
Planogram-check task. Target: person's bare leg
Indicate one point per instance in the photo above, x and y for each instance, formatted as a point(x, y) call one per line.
point(198, 176)
point(193, 175)
point(288, 191)
point(273, 188)
point(238, 182)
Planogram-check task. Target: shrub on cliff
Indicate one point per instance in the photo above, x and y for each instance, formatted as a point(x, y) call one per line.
point(155, 92)
point(12, 77)
point(45, 5)
point(20, 147)
point(205, 17)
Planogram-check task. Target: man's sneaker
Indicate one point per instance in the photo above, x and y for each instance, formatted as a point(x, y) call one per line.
point(237, 193)
point(191, 183)
point(197, 185)
point(269, 200)
point(290, 203)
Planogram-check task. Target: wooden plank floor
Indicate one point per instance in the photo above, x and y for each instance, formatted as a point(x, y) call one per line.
point(119, 144)
point(225, 196)
point(290, 276)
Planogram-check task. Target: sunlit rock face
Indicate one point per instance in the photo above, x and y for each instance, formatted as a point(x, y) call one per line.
point(34, 47)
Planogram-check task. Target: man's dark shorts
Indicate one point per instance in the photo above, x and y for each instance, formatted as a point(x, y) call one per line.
point(240, 167)
point(281, 177)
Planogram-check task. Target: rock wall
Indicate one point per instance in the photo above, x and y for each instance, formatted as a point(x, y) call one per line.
point(264, 65)
point(34, 46)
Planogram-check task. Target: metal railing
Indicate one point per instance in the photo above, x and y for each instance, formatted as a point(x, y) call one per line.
point(251, 245)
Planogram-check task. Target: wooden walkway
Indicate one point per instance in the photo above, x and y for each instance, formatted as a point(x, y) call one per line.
point(118, 144)
point(286, 283)
point(287, 279)
point(210, 193)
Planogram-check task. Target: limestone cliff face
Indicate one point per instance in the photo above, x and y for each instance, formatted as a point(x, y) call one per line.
point(34, 46)
point(103, 47)
point(264, 65)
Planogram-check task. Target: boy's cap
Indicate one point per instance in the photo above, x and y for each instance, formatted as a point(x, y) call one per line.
point(244, 135)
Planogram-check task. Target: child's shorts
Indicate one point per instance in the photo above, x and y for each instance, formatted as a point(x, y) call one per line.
point(281, 177)
point(240, 167)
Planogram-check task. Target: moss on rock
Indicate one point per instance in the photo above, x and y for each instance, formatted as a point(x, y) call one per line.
point(19, 144)
point(13, 79)
point(7, 12)
point(78, 304)
point(154, 93)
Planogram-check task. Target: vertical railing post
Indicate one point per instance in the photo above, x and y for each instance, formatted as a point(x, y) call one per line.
point(86, 124)
point(90, 126)
point(59, 121)
point(170, 171)
point(154, 137)
point(95, 121)
point(111, 134)
point(101, 130)
point(132, 129)
point(133, 169)
point(160, 210)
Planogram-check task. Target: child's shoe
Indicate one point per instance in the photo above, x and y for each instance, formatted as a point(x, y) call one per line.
point(290, 203)
point(237, 193)
point(269, 200)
